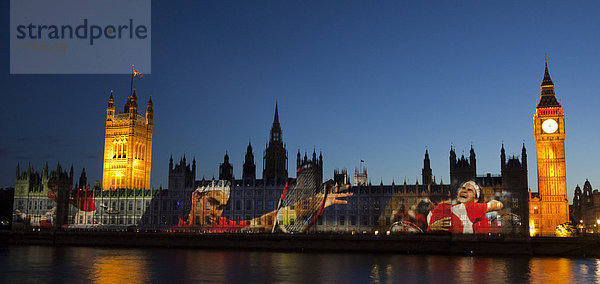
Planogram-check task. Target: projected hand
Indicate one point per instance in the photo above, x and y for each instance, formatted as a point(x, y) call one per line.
point(441, 225)
point(332, 199)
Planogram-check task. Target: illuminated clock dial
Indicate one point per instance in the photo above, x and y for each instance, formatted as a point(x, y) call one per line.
point(549, 126)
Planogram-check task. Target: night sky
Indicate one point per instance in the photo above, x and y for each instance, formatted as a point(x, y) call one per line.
point(375, 81)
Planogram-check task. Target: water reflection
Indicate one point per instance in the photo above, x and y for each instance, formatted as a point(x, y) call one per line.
point(558, 270)
point(119, 266)
point(112, 265)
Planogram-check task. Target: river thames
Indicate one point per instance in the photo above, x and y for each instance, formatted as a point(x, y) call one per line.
point(46, 264)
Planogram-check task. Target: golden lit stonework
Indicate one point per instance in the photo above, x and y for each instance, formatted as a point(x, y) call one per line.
point(550, 207)
point(127, 146)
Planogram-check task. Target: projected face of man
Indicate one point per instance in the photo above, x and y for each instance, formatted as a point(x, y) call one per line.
point(212, 203)
point(467, 193)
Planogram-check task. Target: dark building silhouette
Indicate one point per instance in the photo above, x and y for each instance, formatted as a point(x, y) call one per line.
point(249, 168)
point(315, 163)
point(7, 196)
point(341, 176)
point(514, 182)
point(588, 197)
point(426, 172)
point(82, 181)
point(462, 169)
point(585, 211)
point(182, 175)
point(226, 169)
point(275, 157)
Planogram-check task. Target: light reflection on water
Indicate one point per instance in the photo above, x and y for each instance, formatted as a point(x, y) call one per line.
point(40, 264)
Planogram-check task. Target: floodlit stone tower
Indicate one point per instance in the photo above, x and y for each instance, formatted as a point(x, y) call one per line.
point(127, 146)
point(549, 127)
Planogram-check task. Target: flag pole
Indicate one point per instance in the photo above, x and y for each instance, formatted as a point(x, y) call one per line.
point(131, 87)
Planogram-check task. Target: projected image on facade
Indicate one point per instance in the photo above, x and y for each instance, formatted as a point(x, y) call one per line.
point(302, 201)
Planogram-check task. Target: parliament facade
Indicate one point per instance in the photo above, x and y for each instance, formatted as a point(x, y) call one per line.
point(468, 203)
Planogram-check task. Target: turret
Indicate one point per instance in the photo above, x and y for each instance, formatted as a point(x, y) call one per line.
point(524, 157)
point(133, 105)
point(249, 168)
point(426, 172)
point(472, 161)
point(194, 167)
point(502, 158)
point(149, 111)
point(321, 159)
point(577, 197)
point(71, 173)
point(110, 109)
point(226, 169)
point(82, 179)
point(276, 128)
point(587, 193)
point(452, 158)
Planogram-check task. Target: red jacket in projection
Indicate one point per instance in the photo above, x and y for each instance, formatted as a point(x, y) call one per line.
point(466, 218)
point(225, 225)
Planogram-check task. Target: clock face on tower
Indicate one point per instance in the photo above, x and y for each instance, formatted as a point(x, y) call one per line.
point(549, 125)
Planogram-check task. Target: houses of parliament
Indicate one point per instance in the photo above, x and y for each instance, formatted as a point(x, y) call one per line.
point(126, 198)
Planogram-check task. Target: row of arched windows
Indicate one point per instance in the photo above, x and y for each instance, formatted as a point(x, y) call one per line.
point(120, 149)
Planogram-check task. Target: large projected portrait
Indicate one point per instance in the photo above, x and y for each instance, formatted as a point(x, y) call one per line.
point(301, 203)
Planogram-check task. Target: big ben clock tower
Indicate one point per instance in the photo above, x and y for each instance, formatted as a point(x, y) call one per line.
point(549, 126)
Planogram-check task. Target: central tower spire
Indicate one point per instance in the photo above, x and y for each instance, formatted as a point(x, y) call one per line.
point(276, 128)
point(275, 157)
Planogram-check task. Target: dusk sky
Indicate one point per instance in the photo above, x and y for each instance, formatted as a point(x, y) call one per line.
point(375, 81)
